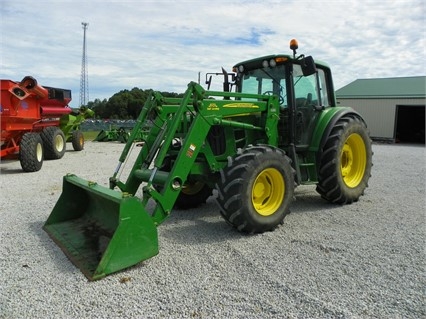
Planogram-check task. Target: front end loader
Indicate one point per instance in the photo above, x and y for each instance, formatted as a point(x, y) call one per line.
point(279, 128)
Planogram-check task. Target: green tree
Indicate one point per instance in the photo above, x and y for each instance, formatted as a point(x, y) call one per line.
point(98, 106)
point(126, 104)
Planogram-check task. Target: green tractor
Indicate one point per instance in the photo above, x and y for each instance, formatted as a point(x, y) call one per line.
point(276, 125)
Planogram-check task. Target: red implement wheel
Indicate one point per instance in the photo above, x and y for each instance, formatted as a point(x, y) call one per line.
point(53, 142)
point(31, 152)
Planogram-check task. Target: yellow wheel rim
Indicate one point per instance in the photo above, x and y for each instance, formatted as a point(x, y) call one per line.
point(353, 160)
point(268, 192)
point(59, 143)
point(39, 152)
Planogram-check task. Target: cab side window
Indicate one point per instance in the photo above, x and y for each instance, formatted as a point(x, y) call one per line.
point(325, 101)
point(308, 90)
point(304, 87)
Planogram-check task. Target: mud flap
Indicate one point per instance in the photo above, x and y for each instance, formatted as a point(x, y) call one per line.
point(100, 230)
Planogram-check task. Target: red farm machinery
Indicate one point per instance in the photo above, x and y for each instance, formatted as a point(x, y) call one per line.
point(36, 122)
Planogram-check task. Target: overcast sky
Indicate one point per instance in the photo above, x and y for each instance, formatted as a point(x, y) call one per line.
point(163, 45)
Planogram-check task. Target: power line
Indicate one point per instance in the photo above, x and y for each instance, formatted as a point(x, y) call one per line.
point(84, 78)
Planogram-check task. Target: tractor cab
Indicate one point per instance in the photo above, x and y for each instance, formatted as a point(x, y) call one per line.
point(303, 88)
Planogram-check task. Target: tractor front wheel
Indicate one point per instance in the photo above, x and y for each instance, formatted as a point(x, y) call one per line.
point(256, 189)
point(77, 140)
point(345, 162)
point(31, 152)
point(53, 142)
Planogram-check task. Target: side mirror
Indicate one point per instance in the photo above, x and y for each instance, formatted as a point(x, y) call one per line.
point(308, 66)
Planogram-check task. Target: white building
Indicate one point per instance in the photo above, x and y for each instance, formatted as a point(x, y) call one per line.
point(394, 108)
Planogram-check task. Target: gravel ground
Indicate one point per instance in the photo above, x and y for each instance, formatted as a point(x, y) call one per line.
point(365, 260)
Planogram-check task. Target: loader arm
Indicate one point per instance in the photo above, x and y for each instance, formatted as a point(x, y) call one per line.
point(188, 120)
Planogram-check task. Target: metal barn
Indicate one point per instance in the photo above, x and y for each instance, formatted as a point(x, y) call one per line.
point(394, 108)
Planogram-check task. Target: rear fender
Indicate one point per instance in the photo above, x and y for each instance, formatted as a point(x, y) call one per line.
point(326, 121)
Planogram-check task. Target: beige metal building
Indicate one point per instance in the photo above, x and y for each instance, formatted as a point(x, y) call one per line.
point(394, 108)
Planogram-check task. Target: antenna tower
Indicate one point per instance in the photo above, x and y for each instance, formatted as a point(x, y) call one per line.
point(84, 79)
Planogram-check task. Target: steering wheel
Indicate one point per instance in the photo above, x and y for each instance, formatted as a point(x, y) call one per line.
point(281, 99)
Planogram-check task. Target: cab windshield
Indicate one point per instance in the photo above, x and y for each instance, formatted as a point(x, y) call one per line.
point(265, 81)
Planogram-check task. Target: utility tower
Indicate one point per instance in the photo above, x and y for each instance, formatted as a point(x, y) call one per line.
point(84, 79)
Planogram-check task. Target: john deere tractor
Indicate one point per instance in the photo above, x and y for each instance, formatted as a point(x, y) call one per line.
point(276, 125)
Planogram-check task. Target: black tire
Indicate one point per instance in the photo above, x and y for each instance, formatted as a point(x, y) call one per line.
point(256, 189)
point(345, 161)
point(77, 140)
point(31, 153)
point(54, 142)
point(193, 195)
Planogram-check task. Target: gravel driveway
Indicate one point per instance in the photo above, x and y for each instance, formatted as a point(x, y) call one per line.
point(365, 260)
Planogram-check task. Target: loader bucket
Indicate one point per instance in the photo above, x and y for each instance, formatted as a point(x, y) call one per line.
point(100, 230)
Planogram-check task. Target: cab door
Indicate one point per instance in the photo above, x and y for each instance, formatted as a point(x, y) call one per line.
point(310, 96)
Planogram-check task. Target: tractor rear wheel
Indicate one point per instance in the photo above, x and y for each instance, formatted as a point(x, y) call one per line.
point(31, 152)
point(54, 142)
point(77, 140)
point(256, 188)
point(345, 162)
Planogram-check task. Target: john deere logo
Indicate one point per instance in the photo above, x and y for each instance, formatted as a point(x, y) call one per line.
point(213, 107)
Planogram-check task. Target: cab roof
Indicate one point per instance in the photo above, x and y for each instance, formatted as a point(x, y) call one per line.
point(258, 62)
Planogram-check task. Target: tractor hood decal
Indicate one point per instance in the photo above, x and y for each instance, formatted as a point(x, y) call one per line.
point(242, 105)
